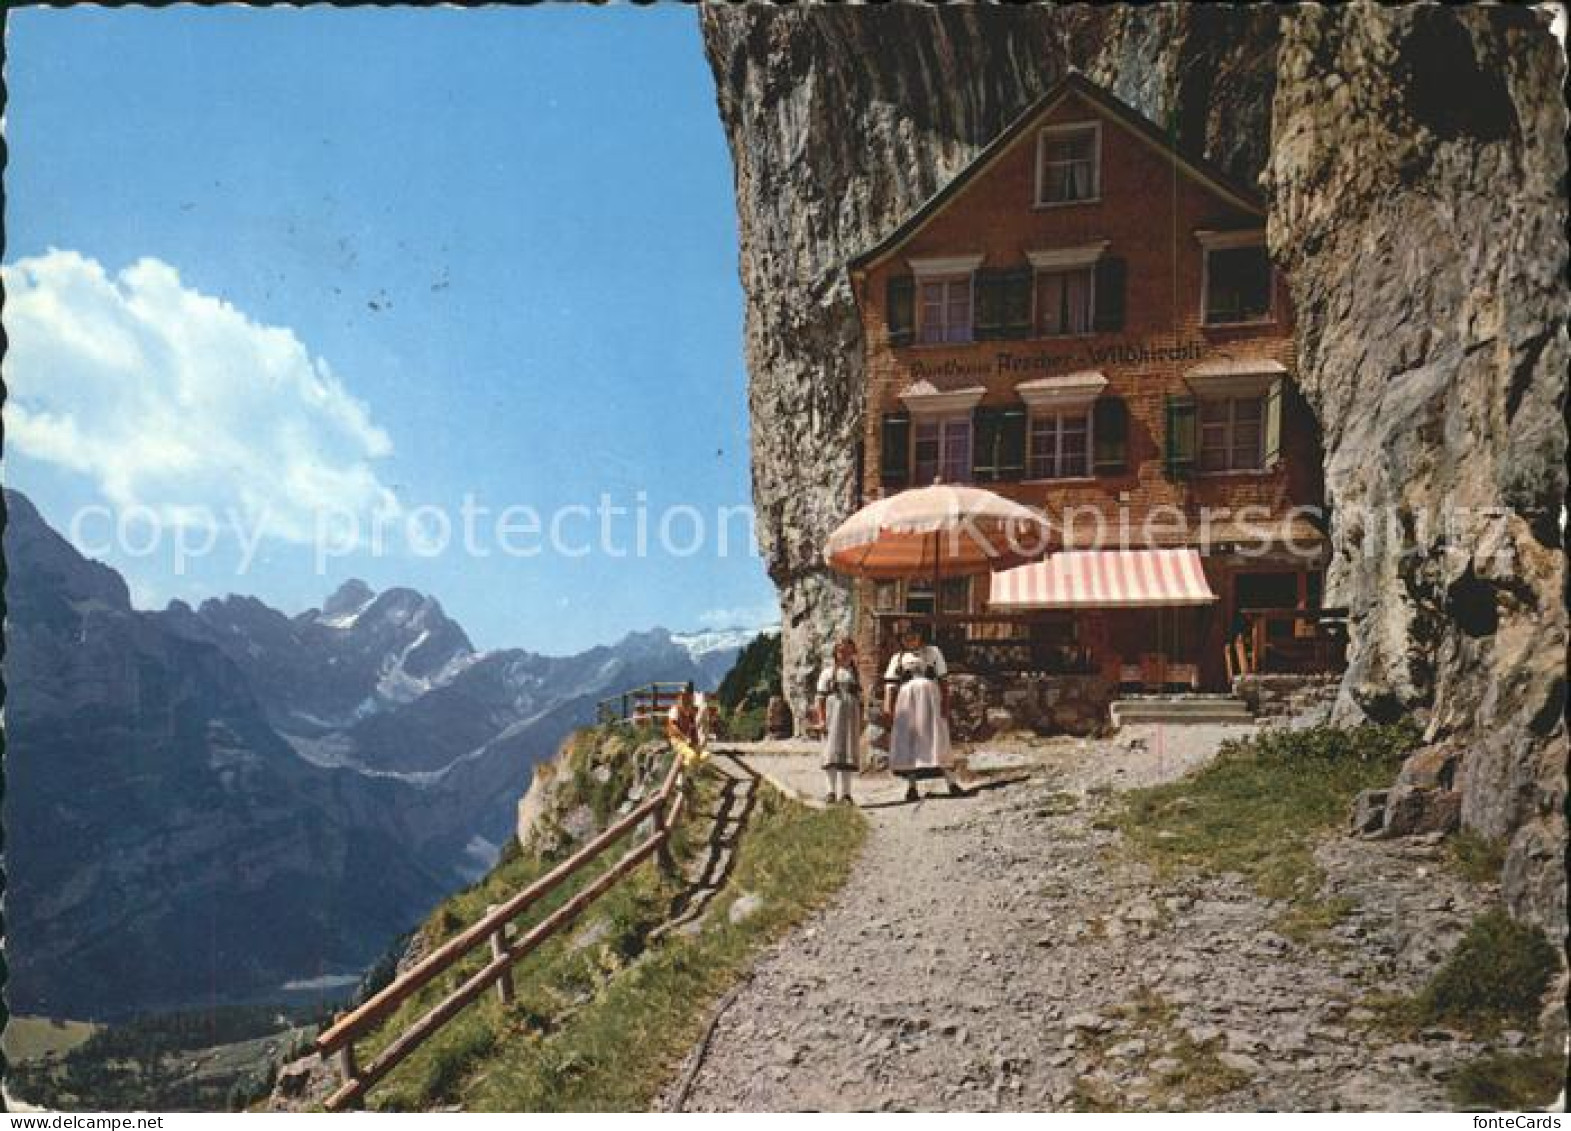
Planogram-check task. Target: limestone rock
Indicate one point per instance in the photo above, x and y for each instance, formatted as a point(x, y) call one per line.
point(1424, 234)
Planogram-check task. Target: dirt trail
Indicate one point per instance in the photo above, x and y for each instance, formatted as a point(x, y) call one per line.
point(1001, 951)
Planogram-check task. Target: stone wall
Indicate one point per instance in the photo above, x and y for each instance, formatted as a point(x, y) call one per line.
point(983, 706)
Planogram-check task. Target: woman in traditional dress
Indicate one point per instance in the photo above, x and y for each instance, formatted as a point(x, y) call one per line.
point(915, 695)
point(840, 715)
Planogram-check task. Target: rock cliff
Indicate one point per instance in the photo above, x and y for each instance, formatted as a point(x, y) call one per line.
point(1414, 164)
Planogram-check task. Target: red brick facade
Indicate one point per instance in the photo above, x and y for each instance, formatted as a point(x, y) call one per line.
point(1151, 210)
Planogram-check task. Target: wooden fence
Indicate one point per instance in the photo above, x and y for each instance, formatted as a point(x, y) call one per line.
point(491, 930)
point(648, 703)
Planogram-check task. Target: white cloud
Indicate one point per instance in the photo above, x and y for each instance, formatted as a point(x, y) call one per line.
point(174, 400)
point(750, 616)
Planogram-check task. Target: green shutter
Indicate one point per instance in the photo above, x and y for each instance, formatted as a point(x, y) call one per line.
point(900, 309)
point(1273, 424)
point(1016, 288)
point(1110, 433)
point(1110, 272)
point(989, 306)
point(894, 451)
point(1012, 443)
point(984, 444)
point(1180, 451)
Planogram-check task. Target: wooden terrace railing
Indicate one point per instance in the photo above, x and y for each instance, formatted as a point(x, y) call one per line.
point(1288, 640)
point(491, 931)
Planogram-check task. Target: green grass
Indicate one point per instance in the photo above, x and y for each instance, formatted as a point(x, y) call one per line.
point(1260, 808)
point(601, 1015)
point(1474, 857)
point(32, 1038)
point(1495, 978)
point(1508, 1082)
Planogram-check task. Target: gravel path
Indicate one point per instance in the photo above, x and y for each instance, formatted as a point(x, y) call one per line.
point(1001, 951)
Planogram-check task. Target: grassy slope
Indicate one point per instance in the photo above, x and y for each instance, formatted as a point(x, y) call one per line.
point(29, 1038)
point(601, 1016)
point(1260, 808)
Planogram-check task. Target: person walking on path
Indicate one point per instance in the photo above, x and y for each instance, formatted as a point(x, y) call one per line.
point(917, 698)
point(839, 709)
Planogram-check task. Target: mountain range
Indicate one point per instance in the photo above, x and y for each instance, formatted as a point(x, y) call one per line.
point(210, 804)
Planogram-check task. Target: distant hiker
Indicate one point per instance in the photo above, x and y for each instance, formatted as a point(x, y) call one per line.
point(681, 727)
point(839, 710)
point(916, 696)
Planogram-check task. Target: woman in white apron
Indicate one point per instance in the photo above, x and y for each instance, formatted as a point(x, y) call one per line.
point(840, 714)
point(915, 696)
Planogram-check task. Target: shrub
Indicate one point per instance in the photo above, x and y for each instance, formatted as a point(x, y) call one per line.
point(1509, 1082)
point(1497, 974)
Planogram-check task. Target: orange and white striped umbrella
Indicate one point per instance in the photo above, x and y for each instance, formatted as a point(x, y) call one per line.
point(938, 531)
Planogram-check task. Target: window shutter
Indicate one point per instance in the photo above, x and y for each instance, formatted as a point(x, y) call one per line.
point(894, 451)
point(1016, 295)
point(1110, 274)
point(1012, 443)
point(1180, 437)
point(1110, 432)
point(986, 444)
point(989, 306)
point(1273, 424)
point(900, 309)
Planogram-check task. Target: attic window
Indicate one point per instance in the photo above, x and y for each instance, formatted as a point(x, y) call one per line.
point(1068, 164)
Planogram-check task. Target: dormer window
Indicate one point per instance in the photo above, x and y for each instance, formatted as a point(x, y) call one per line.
point(1068, 165)
point(1237, 278)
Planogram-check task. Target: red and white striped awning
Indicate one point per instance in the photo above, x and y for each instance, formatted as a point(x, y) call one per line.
point(1104, 579)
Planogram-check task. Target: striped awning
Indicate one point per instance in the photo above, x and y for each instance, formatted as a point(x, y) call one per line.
point(1104, 579)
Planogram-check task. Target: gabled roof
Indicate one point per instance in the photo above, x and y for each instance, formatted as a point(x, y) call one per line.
point(1072, 83)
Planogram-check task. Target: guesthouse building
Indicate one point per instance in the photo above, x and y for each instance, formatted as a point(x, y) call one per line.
point(1086, 320)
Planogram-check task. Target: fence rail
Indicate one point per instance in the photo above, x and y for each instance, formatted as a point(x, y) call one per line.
point(491, 930)
point(639, 704)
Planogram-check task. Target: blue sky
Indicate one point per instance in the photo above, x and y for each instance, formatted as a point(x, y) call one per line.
point(267, 262)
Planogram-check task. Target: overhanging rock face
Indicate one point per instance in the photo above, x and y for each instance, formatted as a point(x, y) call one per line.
point(1413, 161)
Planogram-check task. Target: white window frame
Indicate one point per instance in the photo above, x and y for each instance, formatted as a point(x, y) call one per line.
point(1229, 427)
point(941, 421)
point(1093, 127)
point(1036, 296)
point(1059, 415)
point(947, 269)
point(1230, 241)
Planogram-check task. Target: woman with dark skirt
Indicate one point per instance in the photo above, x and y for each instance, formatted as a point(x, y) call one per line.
point(840, 715)
point(916, 697)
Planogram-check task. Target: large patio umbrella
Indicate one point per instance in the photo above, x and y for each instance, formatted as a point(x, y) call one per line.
point(938, 531)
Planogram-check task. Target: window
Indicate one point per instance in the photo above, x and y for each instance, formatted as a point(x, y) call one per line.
point(945, 310)
point(954, 596)
point(1230, 434)
point(998, 440)
point(1067, 164)
point(1238, 285)
point(1065, 301)
point(1060, 445)
point(943, 450)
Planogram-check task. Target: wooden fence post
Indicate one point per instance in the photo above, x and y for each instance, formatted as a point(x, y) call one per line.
point(504, 984)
